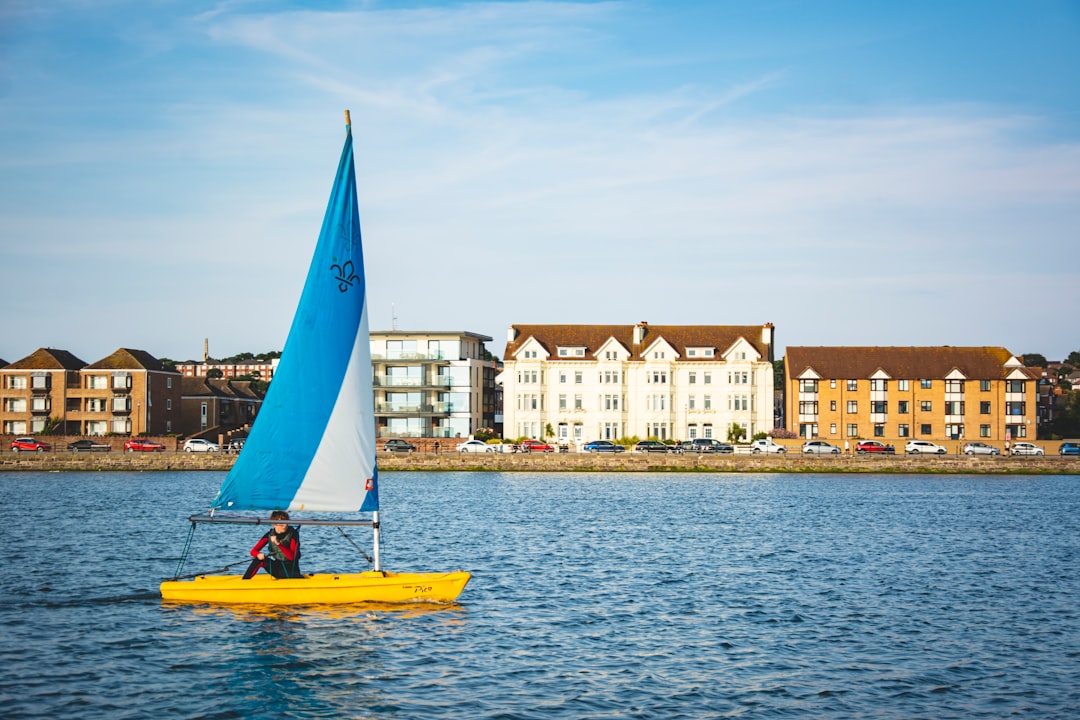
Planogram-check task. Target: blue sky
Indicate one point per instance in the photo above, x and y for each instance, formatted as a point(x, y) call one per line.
point(857, 173)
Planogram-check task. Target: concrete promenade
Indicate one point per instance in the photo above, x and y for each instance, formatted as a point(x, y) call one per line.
point(572, 462)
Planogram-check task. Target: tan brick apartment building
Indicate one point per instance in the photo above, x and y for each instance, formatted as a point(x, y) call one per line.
point(898, 393)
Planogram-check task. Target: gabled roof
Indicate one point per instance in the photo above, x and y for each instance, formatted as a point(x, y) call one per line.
point(902, 363)
point(219, 387)
point(126, 359)
point(593, 338)
point(48, 359)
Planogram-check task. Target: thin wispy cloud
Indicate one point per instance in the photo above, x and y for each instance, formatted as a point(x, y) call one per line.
point(541, 162)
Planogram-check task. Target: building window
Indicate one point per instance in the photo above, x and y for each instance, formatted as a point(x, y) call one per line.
point(902, 430)
point(878, 407)
point(852, 430)
point(903, 385)
point(926, 429)
point(708, 404)
point(832, 406)
point(577, 402)
point(1014, 386)
point(984, 408)
point(954, 386)
point(879, 385)
point(808, 408)
point(926, 384)
point(955, 431)
point(853, 385)
point(562, 377)
point(879, 430)
point(577, 377)
point(808, 430)
point(706, 430)
point(1014, 408)
point(562, 402)
point(852, 406)
point(693, 378)
point(926, 406)
point(832, 384)
point(984, 431)
point(808, 386)
point(832, 428)
point(953, 407)
point(984, 385)
point(691, 404)
point(902, 407)
point(707, 378)
point(691, 432)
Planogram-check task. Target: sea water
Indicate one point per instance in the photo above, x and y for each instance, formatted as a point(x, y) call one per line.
point(593, 596)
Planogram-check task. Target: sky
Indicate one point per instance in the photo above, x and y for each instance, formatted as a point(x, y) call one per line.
point(856, 173)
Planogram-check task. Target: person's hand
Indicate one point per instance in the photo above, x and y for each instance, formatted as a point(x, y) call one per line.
point(273, 539)
point(262, 556)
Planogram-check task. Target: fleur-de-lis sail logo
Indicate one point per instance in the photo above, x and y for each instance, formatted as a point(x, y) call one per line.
point(345, 276)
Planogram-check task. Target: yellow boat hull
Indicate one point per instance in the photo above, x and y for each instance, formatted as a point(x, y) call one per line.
point(319, 589)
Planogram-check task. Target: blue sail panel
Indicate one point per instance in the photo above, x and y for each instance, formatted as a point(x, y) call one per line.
point(312, 445)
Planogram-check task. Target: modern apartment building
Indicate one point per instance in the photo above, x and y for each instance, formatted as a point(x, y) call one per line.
point(899, 393)
point(432, 384)
point(579, 383)
point(129, 392)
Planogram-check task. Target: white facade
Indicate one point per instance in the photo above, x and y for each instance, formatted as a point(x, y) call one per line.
point(578, 383)
point(431, 384)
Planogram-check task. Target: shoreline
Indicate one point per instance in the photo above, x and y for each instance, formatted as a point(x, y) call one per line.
point(574, 462)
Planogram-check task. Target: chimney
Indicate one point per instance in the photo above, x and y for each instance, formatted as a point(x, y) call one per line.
point(639, 332)
point(767, 340)
point(206, 350)
point(511, 334)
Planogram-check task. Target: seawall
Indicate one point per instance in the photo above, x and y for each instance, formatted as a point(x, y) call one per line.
point(572, 462)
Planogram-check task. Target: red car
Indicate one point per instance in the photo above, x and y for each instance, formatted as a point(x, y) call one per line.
point(873, 446)
point(143, 445)
point(28, 443)
point(536, 446)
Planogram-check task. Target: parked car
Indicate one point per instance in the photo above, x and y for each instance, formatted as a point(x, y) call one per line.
point(819, 447)
point(536, 446)
point(915, 447)
point(1069, 448)
point(24, 444)
point(143, 445)
point(873, 446)
point(599, 446)
point(709, 445)
point(475, 446)
point(398, 445)
point(88, 446)
point(651, 446)
point(200, 445)
point(1026, 448)
point(980, 448)
point(683, 446)
point(766, 446)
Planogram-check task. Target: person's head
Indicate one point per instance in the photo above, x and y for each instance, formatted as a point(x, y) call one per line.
point(279, 515)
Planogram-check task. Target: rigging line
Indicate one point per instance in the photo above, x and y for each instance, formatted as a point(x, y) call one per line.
point(358, 548)
point(184, 554)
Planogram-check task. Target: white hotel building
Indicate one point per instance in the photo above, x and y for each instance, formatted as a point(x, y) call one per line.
point(672, 382)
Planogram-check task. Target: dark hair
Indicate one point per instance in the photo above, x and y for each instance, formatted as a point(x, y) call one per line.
point(279, 515)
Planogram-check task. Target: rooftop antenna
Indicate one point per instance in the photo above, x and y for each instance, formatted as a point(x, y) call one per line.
point(393, 317)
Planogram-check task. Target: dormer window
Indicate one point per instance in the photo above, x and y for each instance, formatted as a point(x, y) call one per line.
point(700, 352)
point(571, 352)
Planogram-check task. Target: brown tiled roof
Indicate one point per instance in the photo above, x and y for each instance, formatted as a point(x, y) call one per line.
point(593, 337)
point(127, 359)
point(218, 387)
point(901, 363)
point(48, 359)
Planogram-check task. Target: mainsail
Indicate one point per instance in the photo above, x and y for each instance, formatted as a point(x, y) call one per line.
point(312, 446)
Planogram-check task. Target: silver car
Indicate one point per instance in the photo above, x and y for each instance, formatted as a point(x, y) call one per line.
point(475, 446)
point(980, 448)
point(820, 447)
point(1026, 448)
point(200, 445)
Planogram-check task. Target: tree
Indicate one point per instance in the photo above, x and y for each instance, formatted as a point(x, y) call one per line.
point(1074, 358)
point(214, 373)
point(1034, 360)
point(778, 374)
point(736, 432)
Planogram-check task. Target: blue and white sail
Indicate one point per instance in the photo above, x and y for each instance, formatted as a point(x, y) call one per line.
point(312, 446)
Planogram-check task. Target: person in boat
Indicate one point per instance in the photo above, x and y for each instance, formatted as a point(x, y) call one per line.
point(278, 551)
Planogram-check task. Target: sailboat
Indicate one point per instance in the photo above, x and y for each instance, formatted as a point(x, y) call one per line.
point(312, 446)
